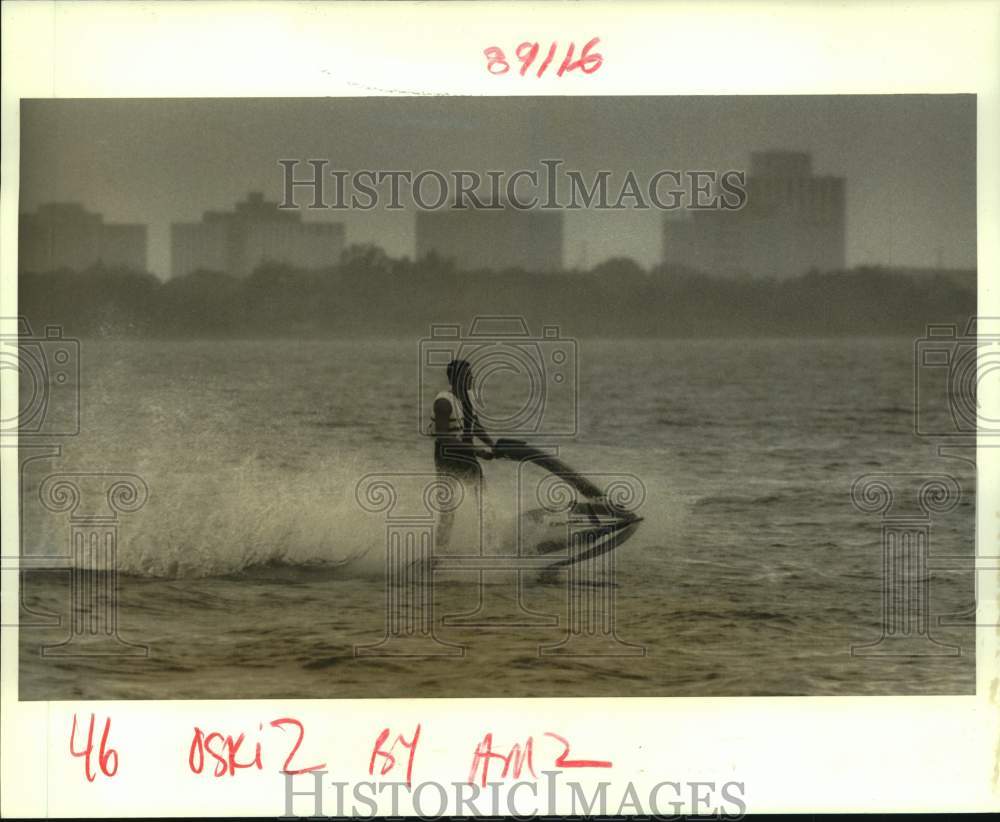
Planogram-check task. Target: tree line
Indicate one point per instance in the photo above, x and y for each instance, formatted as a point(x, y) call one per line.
point(368, 293)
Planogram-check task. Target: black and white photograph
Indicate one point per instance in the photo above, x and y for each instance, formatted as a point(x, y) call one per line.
point(499, 409)
point(463, 397)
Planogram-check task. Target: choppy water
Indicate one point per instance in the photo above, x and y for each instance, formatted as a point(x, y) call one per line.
point(252, 572)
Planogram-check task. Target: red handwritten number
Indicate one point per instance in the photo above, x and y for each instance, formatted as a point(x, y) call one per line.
point(564, 762)
point(107, 757)
point(286, 768)
point(547, 60)
point(106, 753)
point(526, 53)
point(497, 63)
point(388, 757)
point(567, 63)
point(86, 751)
point(589, 63)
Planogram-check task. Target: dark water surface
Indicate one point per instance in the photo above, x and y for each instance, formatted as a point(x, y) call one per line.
point(253, 572)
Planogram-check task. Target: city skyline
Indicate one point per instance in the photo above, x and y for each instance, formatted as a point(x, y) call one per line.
point(68, 235)
point(787, 207)
point(478, 239)
point(909, 160)
point(254, 231)
point(254, 243)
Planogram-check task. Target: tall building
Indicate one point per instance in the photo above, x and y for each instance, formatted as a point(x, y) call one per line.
point(256, 231)
point(66, 235)
point(793, 222)
point(493, 238)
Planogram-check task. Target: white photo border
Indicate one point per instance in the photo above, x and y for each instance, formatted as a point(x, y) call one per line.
point(809, 754)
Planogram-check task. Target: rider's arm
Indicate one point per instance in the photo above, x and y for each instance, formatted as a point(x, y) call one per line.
point(480, 432)
point(442, 420)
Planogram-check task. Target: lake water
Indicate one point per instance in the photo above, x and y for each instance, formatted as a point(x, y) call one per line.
point(253, 572)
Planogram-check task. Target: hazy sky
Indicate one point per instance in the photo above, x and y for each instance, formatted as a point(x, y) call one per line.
point(909, 160)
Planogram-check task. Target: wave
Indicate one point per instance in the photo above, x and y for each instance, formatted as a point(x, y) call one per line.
point(209, 517)
point(284, 515)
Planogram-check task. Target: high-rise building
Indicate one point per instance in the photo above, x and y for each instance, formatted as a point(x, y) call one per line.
point(66, 235)
point(256, 231)
point(494, 239)
point(792, 222)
